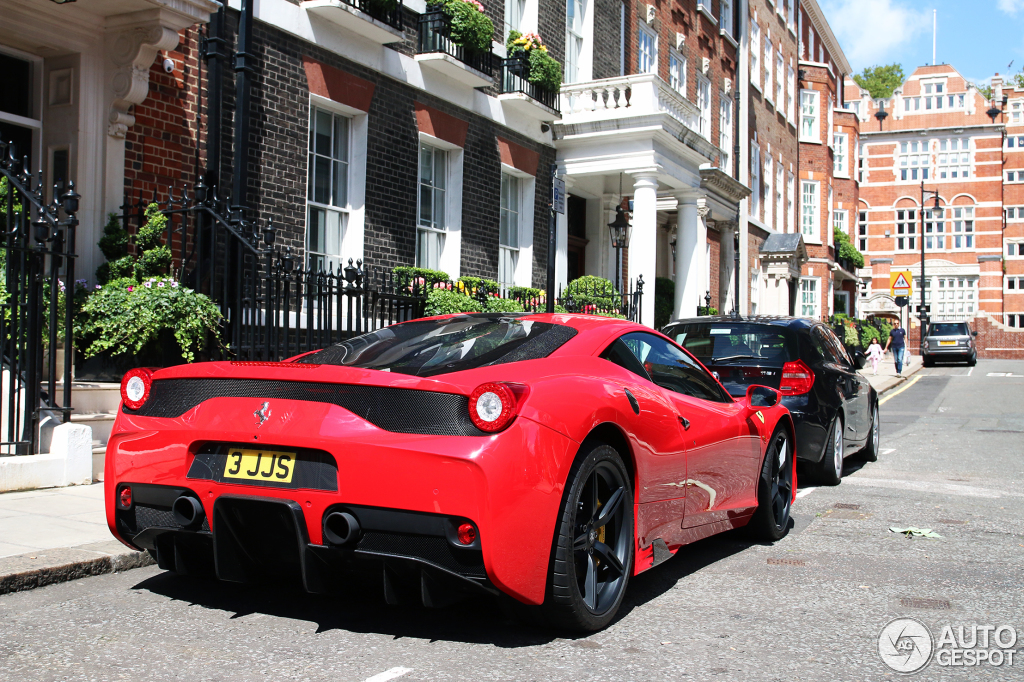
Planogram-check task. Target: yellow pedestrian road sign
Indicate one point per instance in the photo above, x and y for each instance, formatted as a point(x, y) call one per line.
point(901, 283)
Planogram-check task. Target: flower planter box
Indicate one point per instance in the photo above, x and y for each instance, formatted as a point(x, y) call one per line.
point(518, 93)
point(436, 50)
point(361, 16)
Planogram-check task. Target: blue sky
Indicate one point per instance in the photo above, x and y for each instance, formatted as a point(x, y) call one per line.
point(977, 37)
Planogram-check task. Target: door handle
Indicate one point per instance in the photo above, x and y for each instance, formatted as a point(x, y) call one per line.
point(685, 422)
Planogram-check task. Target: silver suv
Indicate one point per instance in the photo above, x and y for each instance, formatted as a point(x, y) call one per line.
point(950, 341)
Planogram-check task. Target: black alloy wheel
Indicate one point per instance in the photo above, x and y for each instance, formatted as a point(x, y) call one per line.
point(594, 548)
point(774, 489)
point(829, 471)
point(870, 451)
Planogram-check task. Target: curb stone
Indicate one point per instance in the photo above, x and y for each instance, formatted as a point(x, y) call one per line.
point(48, 567)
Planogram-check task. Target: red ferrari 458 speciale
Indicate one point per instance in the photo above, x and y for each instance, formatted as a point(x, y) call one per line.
point(543, 458)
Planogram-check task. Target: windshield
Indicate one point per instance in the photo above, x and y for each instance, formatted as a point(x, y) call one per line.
point(728, 342)
point(949, 329)
point(430, 347)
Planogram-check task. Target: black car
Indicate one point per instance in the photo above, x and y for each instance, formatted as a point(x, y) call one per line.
point(834, 408)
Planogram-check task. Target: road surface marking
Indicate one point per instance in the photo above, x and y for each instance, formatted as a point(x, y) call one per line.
point(388, 675)
point(969, 371)
point(805, 491)
point(930, 487)
point(886, 451)
point(896, 393)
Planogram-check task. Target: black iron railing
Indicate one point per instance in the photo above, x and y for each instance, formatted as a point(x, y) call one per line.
point(515, 74)
point(435, 36)
point(385, 11)
point(38, 270)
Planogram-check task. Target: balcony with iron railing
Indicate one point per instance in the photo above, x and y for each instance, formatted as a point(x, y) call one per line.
point(378, 20)
point(518, 92)
point(436, 50)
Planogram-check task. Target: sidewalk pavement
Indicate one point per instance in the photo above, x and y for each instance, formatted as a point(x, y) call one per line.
point(59, 534)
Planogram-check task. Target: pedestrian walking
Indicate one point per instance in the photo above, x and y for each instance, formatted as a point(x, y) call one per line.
point(875, 354)
point(898, 340)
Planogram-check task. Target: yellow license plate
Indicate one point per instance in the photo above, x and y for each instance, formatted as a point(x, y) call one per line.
point(947, 343)
point(269, 466)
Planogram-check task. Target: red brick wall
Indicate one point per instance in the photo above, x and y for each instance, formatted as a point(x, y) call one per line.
point(715, 241)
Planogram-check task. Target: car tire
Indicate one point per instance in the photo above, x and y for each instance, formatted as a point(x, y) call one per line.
point(870, 451)
point(927, 362)
point(830, 469)
point(973, 360)
point(774, 490)
point(590, 571)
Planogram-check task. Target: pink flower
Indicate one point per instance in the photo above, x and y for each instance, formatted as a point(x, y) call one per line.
point(174, 284)
point(131, 289)
point(149, 285)
point(159, 284)
point(98, 286)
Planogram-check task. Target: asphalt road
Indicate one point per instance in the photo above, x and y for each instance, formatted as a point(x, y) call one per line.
point(810, 607)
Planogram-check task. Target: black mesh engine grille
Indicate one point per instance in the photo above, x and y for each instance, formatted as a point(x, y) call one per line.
point(434, 550)
point(400, 410)
point(142, 517)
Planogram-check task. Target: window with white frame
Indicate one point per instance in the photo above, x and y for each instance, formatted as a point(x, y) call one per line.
point(704, 104)
point(961, 227)
point(791, 15)
point(755, 180)
point(839, 223)
point(862, 231)
point(1015, 112)
point(1015, 141)
point(953, 295)
point(809, 206)
point(780, 184)
point(790, 202)
point(913, 161)
point(769, 63)
point(790, 89)
point(677, 72)
point(769, 173)
point(862, 165)
point(906, 229)
point(828, 213)
point(514, 10)
point(725, 131)
point(432, 212)
point(755, 54)
point(1014, 249)
point(327, 194)
point(840, 145)
point(780, 79)
point(934, 230)
point(809, 112)
point(725, 16)
point(1015, 176)
point(647, 45)
point(809, 300)
point(573, 39)
point(1014, 212)
point(1011, 283)
point(508, 229)
point(954, 159)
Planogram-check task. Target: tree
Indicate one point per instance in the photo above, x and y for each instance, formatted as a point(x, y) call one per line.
point(880, 81)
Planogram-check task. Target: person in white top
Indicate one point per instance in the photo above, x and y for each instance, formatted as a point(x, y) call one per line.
point(875, 354)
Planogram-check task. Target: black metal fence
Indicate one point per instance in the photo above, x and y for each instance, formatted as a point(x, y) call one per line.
point(36, 302)
point(515, 74)
point(435, 35)
point(386, 11)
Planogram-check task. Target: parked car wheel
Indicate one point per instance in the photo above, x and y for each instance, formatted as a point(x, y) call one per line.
point(830, 469)
point(870, 451)
point(594, 547)
point(927, 361)
point(774, 490)
point(973, 360)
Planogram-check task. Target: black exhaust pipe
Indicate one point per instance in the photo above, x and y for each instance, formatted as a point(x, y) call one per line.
point(341, 528)
point(188, 511)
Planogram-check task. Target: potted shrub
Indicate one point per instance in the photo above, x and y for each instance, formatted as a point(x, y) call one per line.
point(536, 64)
point(469, 27)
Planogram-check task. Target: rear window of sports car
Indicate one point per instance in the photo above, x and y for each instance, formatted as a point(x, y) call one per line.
point(431, 347)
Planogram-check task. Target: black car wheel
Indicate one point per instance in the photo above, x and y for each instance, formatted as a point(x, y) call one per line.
point(594, 546)
point(870, 451)
point(774, 490)
point(973, 360)
point(830, 469)
point(927, 361)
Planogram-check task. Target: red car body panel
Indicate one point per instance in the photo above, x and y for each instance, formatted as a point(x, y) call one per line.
point(689, 482)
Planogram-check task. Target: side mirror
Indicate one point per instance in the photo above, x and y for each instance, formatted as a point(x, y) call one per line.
point(860, 359)
point(762, 396)
point(974, 333)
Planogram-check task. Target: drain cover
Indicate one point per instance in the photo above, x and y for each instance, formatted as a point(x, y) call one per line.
point(845, 505)
point(786, 562)
point(920, 603)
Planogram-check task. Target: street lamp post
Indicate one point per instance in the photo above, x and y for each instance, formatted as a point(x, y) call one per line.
point(618, 229)
point(936, 212)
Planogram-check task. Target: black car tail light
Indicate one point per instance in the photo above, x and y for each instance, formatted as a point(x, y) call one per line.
point(797, 378)
point(492, 407)
point(135, 387)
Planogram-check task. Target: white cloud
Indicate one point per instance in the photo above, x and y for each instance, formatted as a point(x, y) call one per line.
point(1010, 6)
point(875, 31)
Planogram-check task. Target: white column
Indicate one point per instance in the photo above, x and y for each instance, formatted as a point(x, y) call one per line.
point(691, 237)
point(727, 269)
point(643, 241)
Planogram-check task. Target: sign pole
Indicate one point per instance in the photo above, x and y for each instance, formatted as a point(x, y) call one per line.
point(557, 205)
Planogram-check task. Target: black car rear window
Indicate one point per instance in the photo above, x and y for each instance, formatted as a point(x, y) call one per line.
point(724, 341)
point(948, 329)
point(430, 347)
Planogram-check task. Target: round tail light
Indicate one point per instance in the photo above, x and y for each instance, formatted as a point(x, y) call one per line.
point(492, 407)
point(126, 497)
point(135, 387)
point(467, 533)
